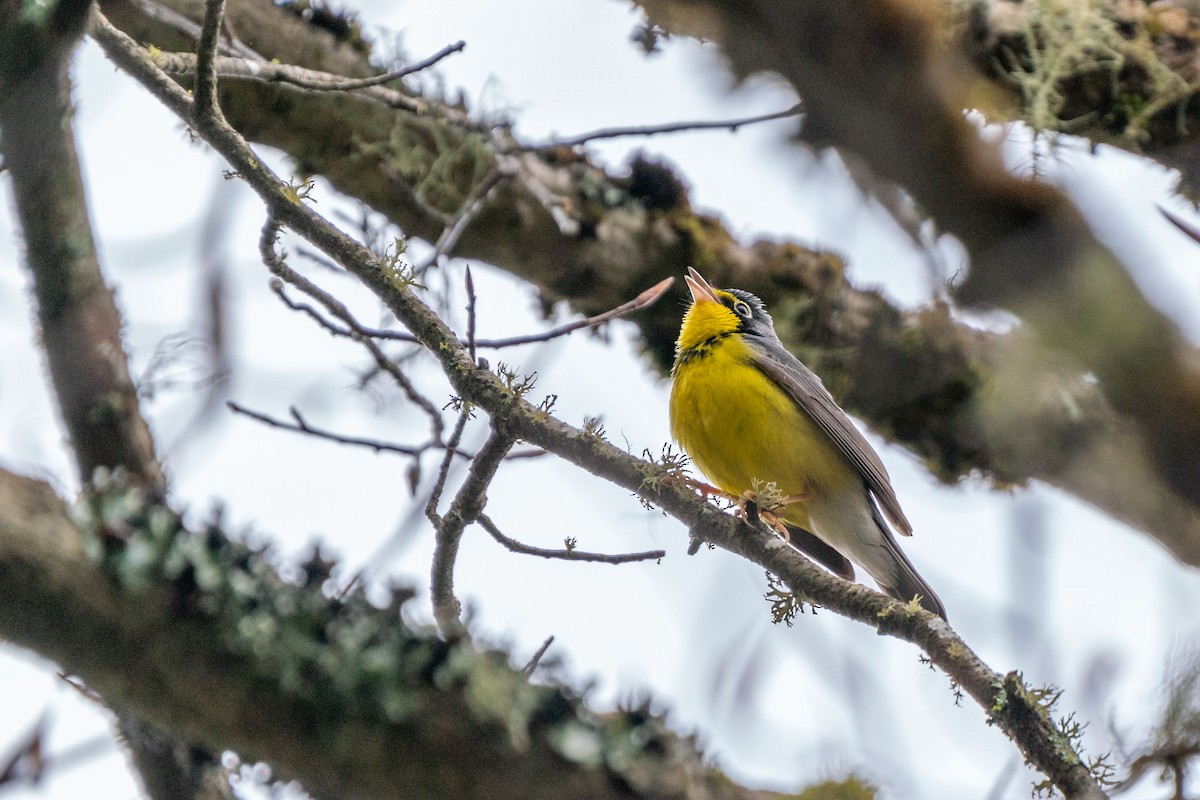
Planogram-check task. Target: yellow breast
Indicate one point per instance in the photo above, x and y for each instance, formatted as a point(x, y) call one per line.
point(738, 427)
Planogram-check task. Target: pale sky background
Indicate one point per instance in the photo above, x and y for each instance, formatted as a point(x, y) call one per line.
point(777, 707)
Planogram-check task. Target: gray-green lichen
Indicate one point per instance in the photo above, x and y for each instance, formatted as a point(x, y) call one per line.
point(1111, 70)
point(303, 638)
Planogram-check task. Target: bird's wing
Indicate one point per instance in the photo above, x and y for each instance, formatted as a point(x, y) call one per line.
point(816, 549)
point(806, 389)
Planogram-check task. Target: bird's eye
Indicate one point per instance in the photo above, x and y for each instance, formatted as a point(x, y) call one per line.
point(742, 309)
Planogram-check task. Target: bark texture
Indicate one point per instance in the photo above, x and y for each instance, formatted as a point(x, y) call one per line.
point(199, 636)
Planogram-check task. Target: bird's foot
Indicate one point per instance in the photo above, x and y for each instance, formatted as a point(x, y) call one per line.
point(749, 510)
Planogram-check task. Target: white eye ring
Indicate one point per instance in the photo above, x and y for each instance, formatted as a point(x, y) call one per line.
point(742, 309)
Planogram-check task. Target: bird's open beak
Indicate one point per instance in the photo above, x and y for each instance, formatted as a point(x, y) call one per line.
point(701, 291)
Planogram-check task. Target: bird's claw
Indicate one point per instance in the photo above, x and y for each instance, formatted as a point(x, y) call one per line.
point(749, 510)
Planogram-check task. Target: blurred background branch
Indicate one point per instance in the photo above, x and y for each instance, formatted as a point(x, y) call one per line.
point(79, 324)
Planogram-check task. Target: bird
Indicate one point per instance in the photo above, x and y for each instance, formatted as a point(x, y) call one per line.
point(750, 415)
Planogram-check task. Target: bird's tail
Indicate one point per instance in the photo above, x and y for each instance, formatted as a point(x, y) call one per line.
point(903, 583)
point(909, 585)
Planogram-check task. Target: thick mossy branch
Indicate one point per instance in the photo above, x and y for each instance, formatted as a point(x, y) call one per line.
point(1120, 72)
point(200, 634)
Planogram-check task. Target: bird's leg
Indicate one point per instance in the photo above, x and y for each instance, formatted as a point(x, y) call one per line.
point(706, 490)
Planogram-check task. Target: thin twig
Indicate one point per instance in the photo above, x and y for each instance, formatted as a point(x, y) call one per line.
point(435, 496)
point(449, 49)
point(456, 224)
point(572, 554)
point(328, 83)
point(184, 65)
point(532, 664)
point(276, 263)
point(643, 300)
point(470, 313)
point(277, 286)
point(674, 127)
point(301, 426)
point(180, 64)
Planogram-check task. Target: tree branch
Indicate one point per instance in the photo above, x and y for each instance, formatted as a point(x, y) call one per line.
point(79, 323)
point(464, 509)
point(731, 125)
